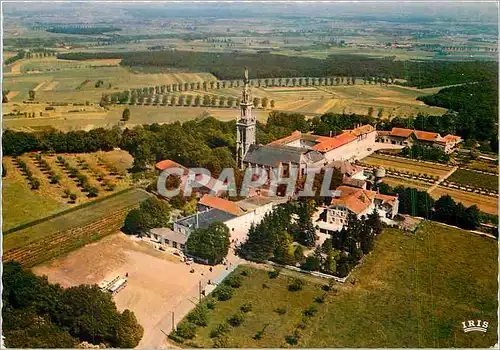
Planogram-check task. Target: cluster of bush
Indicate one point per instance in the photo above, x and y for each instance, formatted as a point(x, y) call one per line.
point(33, 181)
point(99, 176)
point(311, 311)
point(80, 178)
point(46, 168)
point(199, 317)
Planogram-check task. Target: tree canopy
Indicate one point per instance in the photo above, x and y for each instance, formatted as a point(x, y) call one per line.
point(152, 213)
point(211, 243)
point(39, 314)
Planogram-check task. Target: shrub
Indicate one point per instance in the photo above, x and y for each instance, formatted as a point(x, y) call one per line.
point(211, 304)
point(280, 311)
point(221, 342)
point(260, 333)
point(311, 311)
point(247, 307)
point(233, 280)
point(320, 299)
point(292, 339)
point(274, 274)
point(186, 330)
point(296, 285)
point(35, 184)
point(326, 288)
point(219, 330)
point(224, 292)
point(265, 286)
point(244, 273)
point(93, 191)
point(54, 179)
point(72, 196)
point(199, 316)
point(236, 320)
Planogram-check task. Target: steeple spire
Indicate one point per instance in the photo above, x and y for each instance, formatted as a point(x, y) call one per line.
point(245, 125)
point(245, 96)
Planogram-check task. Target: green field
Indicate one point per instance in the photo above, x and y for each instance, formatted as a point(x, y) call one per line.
point(21, 205)
point(84, 215)
point(475, 179)
point(413, 290)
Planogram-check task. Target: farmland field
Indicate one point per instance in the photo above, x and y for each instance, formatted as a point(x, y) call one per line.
point(65, 81)
point(402, 164)
point(22, 204)
point(484, 203)
point(138, 115)
point(395, 182)
point(473, 178)
point(79, 217)
point(413, 290)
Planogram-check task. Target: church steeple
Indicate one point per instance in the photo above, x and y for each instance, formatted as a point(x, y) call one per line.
point(245, 125)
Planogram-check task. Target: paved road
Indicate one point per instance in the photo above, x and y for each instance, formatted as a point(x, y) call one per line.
point(444, 177)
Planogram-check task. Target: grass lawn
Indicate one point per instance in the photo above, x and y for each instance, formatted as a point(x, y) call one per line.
point(264, 301)
point(413, 290)
point(402, 164)
point(73, 219)
point(475, 179)
point(21, 205)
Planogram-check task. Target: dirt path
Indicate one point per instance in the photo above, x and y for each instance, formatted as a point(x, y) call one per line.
point(441, 179)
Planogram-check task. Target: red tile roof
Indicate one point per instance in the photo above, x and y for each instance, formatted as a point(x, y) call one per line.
point(167, 164)
point(296, 135)
point(221, 204)
point(449, 137)
point(385, 198)
point(356, 200)
point(361, 130)
point(326, 144)
point(421, 135)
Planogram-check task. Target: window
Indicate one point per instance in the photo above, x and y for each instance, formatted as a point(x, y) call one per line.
point(183, 246)
point(167, 241)
point(174, 244)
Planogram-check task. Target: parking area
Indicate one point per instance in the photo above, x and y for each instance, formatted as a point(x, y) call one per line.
point(158, 285)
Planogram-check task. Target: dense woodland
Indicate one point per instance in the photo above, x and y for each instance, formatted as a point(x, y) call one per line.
point(37, 314)
point(82, 30)
point(477, 107)
point(265, 65)
point(420, 203)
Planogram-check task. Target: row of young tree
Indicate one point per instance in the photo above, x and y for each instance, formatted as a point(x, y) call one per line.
point(420, 203)
point(283, 233)
point(37, 314)
point(131, 98)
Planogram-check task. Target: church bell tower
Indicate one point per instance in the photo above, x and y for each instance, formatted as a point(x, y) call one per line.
point(245, 125)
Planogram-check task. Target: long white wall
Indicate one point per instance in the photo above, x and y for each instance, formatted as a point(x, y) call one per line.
point(240, 225)
point(357, 149)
